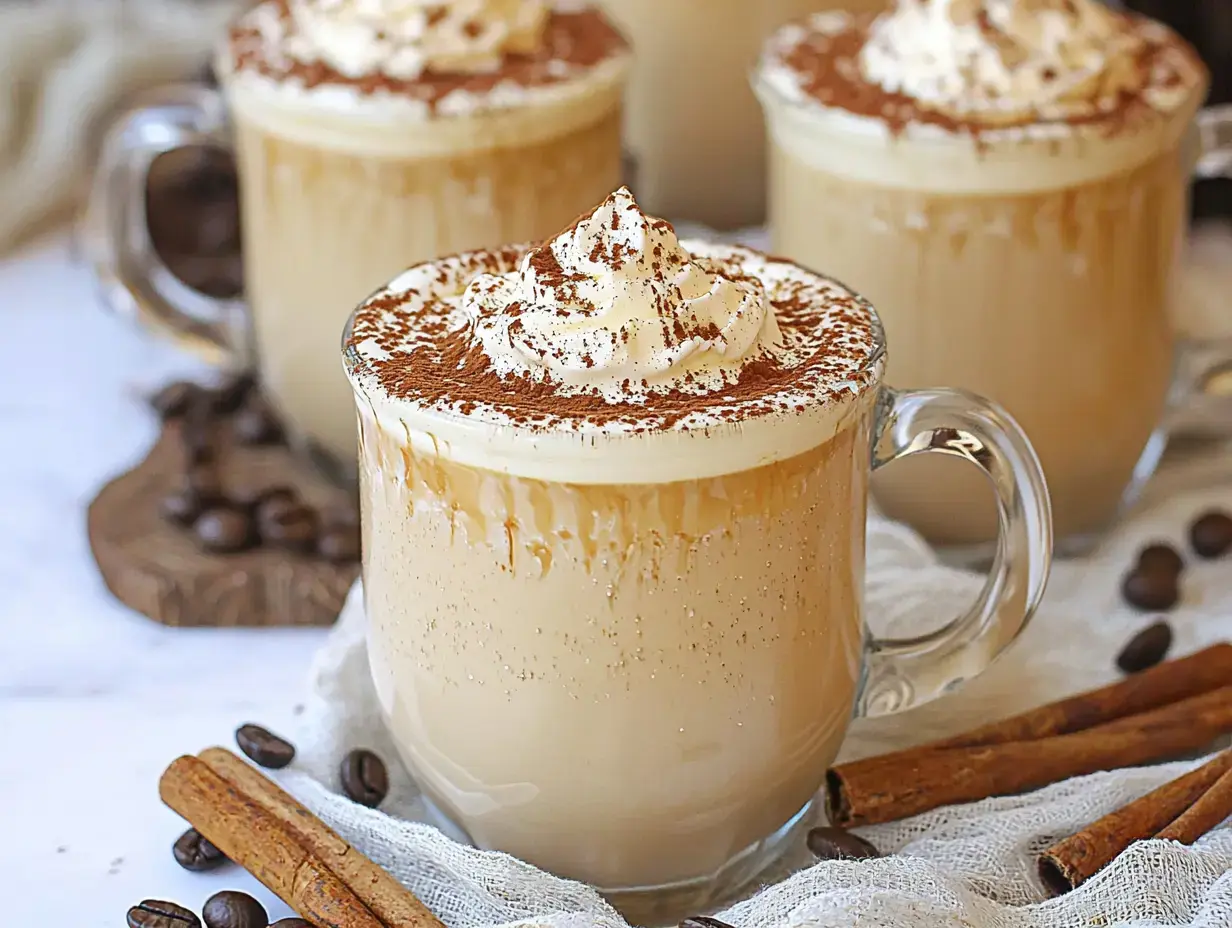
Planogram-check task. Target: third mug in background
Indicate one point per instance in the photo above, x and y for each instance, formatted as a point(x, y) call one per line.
point(1015, 209)
point(366, 140)
point(692, 127)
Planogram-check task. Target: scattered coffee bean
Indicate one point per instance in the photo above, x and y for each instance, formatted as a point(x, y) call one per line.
point(264, 747)
point(224, 530)
point(703, 921)
point(173, 400)
point(1151, 590)
point(364, 778)
point(839, 844)
point(194, 852)
point(291, 923)
point(1211, 534)
point(230, 395)
point(251, 497)
point(339, 544)
point(287, 523)
point(1162, 557)
point(154, 913)
point(181, 506)
point(197, 432)
point(203, 480)
point(231, 909)
point(256, 424)
point(1146, 649)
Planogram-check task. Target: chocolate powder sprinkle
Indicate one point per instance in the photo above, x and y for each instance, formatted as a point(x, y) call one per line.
point(577, 40)
point(416, 346)
point(827, 68)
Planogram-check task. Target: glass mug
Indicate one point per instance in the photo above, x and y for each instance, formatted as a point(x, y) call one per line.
point(334, 203)
point(1035, 272)
point(693, 130)
point(629, 660)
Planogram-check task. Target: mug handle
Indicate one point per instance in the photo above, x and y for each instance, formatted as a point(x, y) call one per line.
point(1203, 384)
point(901, 673)
point(114, 236)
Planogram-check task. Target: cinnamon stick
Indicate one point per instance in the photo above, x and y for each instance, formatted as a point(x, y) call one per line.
point(896, 786)
point(1161, 685)
point(1205, 814)
point(1075, 860)
point(259, 843)
point(391, 902)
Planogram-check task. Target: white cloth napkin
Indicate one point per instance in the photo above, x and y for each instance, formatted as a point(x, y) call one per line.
point(66, 66)
point(971, 866)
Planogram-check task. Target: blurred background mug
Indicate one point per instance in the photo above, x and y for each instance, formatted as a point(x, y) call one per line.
point(1034, 269)
point(693, 131)
point(339, 191)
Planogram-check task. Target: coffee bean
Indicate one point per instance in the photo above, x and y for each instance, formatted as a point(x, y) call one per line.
point(231, 909)
point(181, 506)
point(173, 400)
point(1151, 590)
point(193, 852)
point(231, 393)
point(1160, 557)
point(1146, 649)
point(339, 544)
point(1211, 534)
point(154, 913)
point(291, 923)
point(224, 530)
point(256, 424)
point(287, 523)
point(204, 482)
point(839, 844)
point(197, 432)
point(251, 497)
point(364, 778)
point(264, 747)
point(703, 921)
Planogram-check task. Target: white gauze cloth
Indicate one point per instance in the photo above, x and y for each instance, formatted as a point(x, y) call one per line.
point(969, 866)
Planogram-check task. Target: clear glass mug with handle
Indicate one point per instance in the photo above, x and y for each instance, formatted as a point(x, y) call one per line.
point(1036, 266)
point(338, 192)
point(628, 656)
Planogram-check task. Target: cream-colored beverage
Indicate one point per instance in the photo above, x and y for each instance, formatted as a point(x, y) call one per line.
point(374, 134)
point(1007, 180)
point(692, 126)
point(614, 489)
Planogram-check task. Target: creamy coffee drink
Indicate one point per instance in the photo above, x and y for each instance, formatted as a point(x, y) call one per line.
point(614, 496)
point(373, 135)
point(1007, 181)
point(692, 126)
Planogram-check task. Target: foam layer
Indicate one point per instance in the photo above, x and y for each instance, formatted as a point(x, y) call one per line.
point(391, 62)
point(963, 137)
point(744, 360)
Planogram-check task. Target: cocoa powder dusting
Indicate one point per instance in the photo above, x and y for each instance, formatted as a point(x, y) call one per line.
point(435, 364)
point(579, 40)
point(827, 66)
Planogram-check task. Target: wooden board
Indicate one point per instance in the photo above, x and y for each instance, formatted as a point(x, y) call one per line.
point(158, 569)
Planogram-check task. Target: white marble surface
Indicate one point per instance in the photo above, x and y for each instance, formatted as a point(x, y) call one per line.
point(94, 699)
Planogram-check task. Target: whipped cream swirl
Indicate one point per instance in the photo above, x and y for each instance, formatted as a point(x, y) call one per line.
point(1004, 59)
point(403, 38)
point(615, 305)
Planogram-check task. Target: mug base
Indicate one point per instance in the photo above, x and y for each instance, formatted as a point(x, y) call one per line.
point(669, 904)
